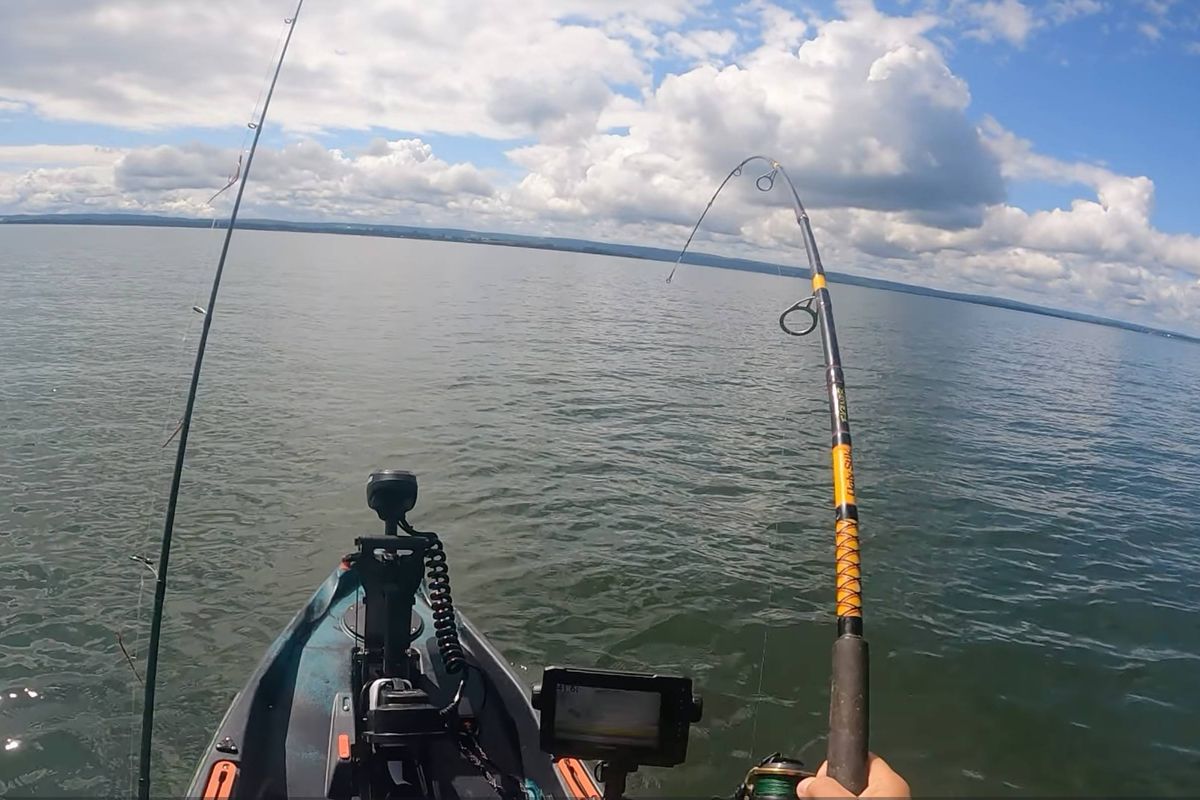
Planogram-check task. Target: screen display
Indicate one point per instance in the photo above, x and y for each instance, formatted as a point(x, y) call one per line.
point(607, 716)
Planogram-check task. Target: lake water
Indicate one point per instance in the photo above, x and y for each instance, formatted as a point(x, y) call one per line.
point(627, 474)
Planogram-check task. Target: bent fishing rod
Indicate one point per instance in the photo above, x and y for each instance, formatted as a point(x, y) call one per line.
point(185, 426)
point(848, 703)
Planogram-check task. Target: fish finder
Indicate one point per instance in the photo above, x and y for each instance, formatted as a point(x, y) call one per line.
point(622, 718)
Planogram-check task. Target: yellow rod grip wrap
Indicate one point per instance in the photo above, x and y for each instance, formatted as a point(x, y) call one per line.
point(818, 282)
point(848, 566)
point(846, 555)
point(843, 475)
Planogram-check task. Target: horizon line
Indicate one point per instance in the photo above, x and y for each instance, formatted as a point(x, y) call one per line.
point(586, 246)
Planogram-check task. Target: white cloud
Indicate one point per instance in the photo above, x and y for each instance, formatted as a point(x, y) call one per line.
point(699, 45)
point(1009, 20)
point(1089, 255)
point(398, 181)
point(865, 114)
point(1159, 8)
point(1015, 22)
point(27, 155)
point(875, 127)
point(1150, 31)
point(779, 28)
point(395, 64)
point(1067, 10)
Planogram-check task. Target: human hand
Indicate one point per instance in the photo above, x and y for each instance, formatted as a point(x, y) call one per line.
point(882, 781)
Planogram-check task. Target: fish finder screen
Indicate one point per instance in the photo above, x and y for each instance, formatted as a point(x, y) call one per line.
point(607, 716)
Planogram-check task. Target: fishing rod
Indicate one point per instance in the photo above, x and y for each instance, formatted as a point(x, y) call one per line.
point(164, 556)
point(848, 703)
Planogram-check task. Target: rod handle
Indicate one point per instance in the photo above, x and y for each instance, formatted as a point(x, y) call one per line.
point(849, 713)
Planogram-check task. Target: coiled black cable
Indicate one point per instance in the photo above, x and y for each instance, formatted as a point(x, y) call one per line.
point(445, 625)
point(437, 583)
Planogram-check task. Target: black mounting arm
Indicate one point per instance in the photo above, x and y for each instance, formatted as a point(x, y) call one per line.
point(391, 569)
point(394, 715)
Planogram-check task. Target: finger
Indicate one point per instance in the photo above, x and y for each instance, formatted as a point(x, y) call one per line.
point(883, 781)
point(822, 787)
point(823, 770)
point(878, 769)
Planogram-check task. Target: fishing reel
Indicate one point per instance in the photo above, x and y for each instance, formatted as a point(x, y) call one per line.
point(775, 778)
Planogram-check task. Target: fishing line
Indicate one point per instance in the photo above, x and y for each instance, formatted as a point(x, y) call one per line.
point(762, 669)
point(232, 180)
point(848, 705)
point(170, 416)
point(170, 422)
point(160, 583)
point(781, 452)
point(762, 661)
point(764, 183)
point(733, 174)
point(236, 174)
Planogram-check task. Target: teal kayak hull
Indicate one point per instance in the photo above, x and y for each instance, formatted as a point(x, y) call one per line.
point(279, 737)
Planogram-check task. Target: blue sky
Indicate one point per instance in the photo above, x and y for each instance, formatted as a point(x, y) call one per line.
point(1099, 90)
point(1043, 151)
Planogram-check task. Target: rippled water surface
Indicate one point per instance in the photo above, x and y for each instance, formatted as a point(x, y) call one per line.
point(627, 474)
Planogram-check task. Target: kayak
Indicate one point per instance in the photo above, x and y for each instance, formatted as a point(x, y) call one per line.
point(371, 693)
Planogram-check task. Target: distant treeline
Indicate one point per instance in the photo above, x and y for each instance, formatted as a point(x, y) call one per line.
point(574, 246)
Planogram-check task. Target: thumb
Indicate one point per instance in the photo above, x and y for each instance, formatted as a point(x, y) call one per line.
point(821, 786)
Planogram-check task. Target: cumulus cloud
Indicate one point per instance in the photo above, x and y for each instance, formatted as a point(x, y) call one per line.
point(395, 64)
point(779, 27)
point(822, 109)
point(924, 202)
point(1098, 254)
point(397, 180)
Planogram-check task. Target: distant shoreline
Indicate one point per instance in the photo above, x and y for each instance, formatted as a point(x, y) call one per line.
point(576, 246)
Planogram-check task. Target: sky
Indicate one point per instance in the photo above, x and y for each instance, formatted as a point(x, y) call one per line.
point(1039, 151)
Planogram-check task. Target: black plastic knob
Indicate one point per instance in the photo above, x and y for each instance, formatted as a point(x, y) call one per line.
point(391, 493)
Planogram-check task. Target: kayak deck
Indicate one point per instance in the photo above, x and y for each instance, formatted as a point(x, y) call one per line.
point(282, 736)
